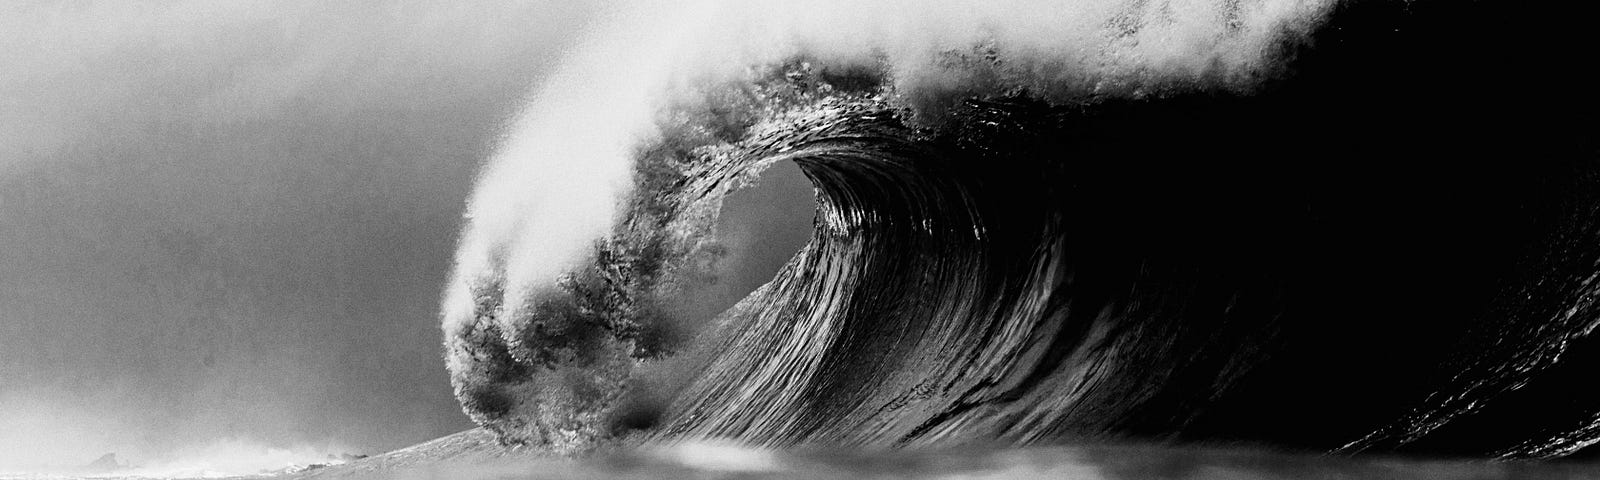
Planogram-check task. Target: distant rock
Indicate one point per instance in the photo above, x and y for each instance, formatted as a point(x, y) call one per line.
point(105, 463)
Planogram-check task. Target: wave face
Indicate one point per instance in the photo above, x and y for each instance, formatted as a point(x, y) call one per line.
point(960, 288)
point(1292, 264)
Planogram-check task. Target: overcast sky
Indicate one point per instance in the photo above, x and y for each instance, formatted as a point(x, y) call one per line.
point(233, 219)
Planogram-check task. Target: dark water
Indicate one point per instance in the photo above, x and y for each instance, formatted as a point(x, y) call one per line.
point(1388, 246)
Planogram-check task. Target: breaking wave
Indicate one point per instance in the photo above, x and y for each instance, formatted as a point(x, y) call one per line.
point(1263, 249)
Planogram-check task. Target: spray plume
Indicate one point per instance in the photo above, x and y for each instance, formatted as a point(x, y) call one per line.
point(551, 201)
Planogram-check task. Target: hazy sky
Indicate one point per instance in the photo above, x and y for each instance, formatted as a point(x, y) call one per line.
point(231, 221)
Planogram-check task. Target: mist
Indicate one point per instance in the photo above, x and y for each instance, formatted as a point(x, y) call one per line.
point(224, 227)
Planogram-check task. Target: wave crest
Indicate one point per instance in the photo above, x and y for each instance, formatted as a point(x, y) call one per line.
point(1017, 258)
